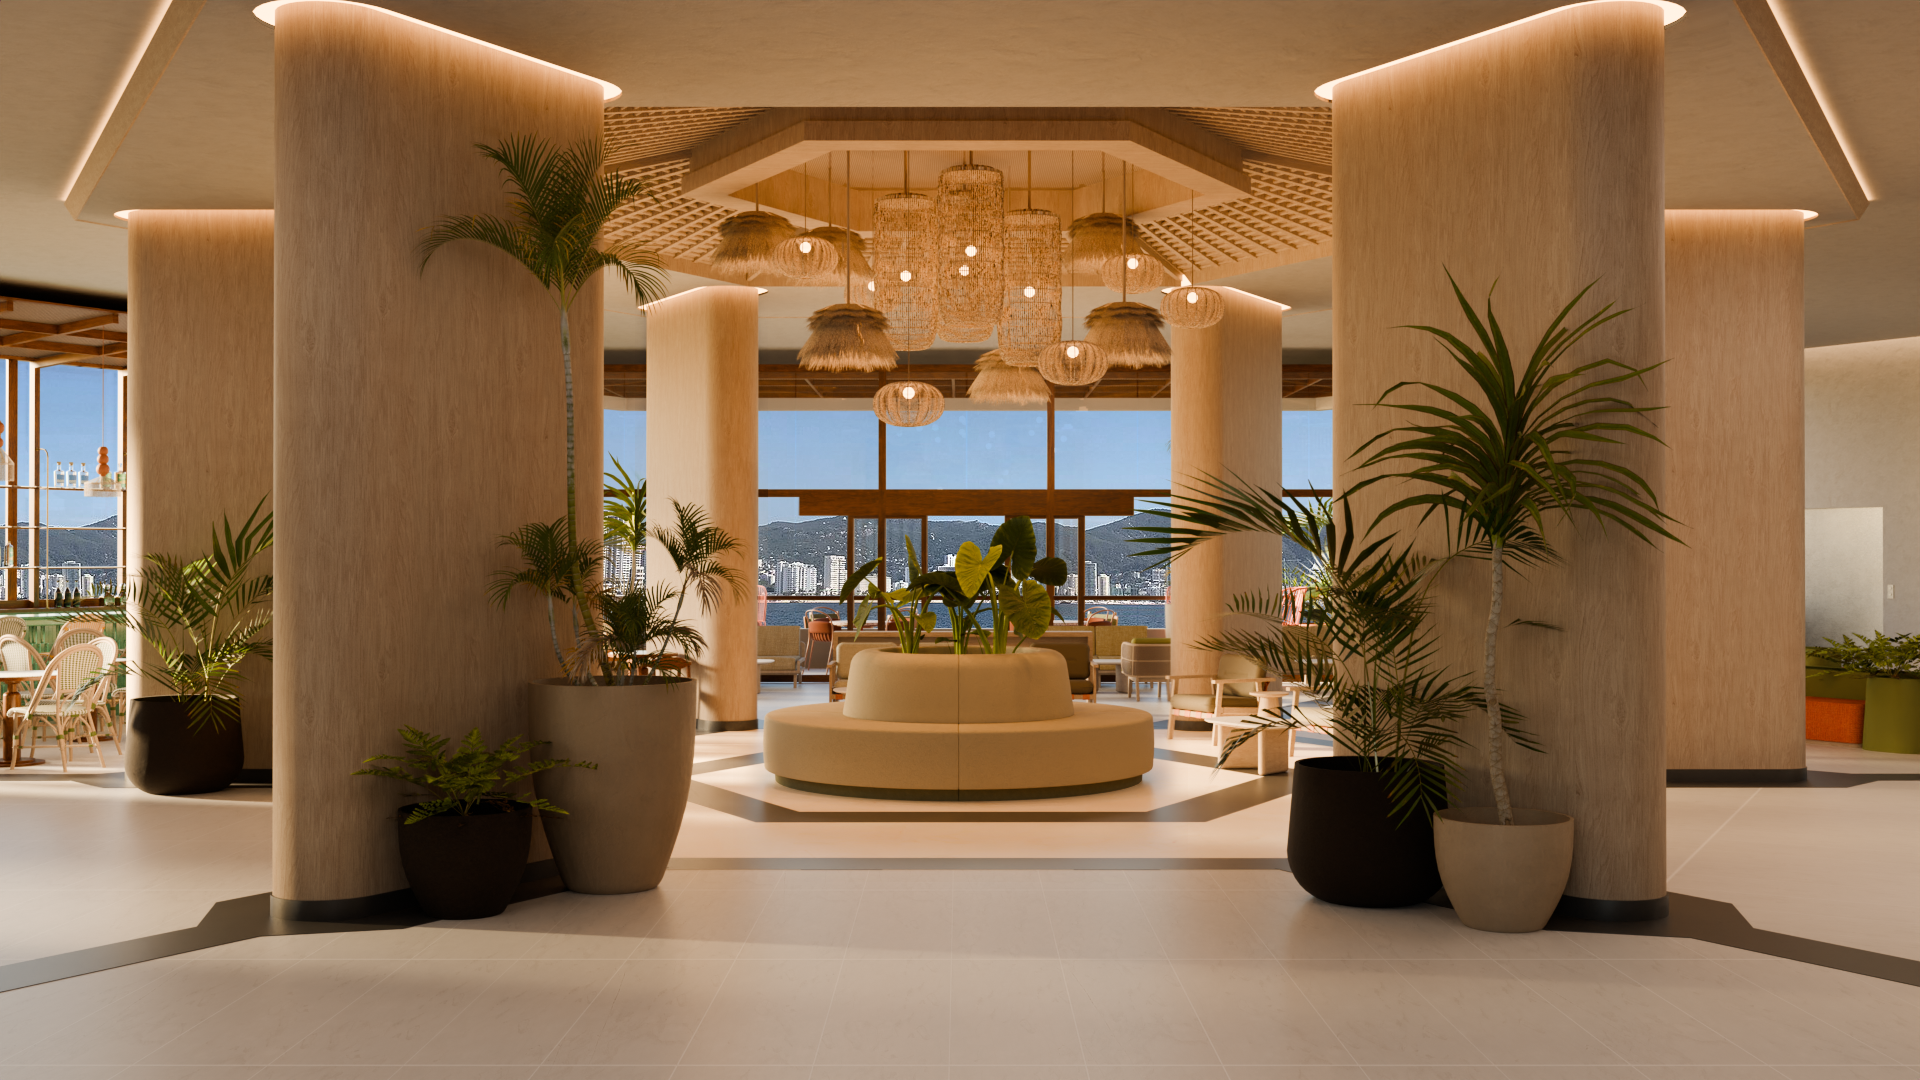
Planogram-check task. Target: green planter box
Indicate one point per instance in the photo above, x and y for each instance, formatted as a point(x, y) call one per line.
point(1893, 716)
point(1820, 684)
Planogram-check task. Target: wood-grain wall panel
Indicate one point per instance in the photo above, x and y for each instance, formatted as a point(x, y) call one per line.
point(1227, 394)
point(418, 417)
point(703, 447)
point(200, 403)
point(1736, 479)
point(1531, 157)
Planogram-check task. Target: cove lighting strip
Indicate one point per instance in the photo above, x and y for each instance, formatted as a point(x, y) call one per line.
point(267, 12)
point(1670, 13)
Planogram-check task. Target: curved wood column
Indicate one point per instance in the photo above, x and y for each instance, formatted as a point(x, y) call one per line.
point(418, 417)
point(1736, 479)
point(1531, 156)
point(703, 448)
point(200, 402)
point(1226, 402)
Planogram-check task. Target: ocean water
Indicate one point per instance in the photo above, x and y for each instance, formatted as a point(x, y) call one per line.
point(1150, 613)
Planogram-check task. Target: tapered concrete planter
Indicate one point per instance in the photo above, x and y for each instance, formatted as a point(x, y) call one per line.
point(1893, 716)
point(1503, 878)
point(623, 817)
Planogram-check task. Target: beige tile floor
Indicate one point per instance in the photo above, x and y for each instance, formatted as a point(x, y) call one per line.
point(959, 974)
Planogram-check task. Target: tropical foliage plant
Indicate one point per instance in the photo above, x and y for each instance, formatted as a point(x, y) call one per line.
point(474, 778)
point(1882, 656)
point(635, 633)
point(624, 518)
point(1520, 446)
point(1357, 635)
point(996, 596)
point(560, 201)
point(203, 617)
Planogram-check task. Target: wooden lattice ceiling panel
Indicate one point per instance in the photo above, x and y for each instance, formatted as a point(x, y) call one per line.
point(1300, 132)
point(1287, 216)
point(643, 133)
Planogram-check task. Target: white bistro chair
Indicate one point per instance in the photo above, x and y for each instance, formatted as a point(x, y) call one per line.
point(64, 701)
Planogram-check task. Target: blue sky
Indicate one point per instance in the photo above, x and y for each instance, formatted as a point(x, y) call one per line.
point(978, 450)
point(79, 413)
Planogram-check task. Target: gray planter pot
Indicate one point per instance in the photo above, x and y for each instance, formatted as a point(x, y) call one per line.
point(623, 817)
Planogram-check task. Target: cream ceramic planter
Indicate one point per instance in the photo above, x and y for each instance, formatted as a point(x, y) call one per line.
point(1503, 878)
point(623, 817)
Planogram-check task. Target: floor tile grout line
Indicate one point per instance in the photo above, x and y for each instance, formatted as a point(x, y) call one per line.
point(1066, 981)
point(1614, 963)
point(733, 963)
point(575, 1022)
point(428, 1041)
point(1503, 963)
point(1393, 965)
point(376, 984)
point(1721, 963)
point(1675, 872)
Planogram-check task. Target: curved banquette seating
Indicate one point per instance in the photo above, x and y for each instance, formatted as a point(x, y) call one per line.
point(944, 726)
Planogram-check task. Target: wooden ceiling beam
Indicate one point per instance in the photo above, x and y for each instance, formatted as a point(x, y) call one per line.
point(781, 381)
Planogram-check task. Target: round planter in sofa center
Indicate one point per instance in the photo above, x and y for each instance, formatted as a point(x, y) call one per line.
point(1344, 844)
point(1892, 723)
point(168, 755)
point(466, 866)
point(623, 817)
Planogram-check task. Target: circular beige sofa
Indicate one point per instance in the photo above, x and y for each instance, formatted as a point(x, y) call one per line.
point(942, 726)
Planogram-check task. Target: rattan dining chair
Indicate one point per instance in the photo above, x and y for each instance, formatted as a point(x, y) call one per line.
point(64, 700)
point(17, 655)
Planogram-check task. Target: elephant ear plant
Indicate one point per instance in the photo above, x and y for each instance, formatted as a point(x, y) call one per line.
point(202, 617)
point(993, 595)
point(561, 200)
point(1495, 462)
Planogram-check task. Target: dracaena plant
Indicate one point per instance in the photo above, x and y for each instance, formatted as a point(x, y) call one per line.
point(1359, 638)
point(202, 617)
point(1519, 445)
point(474, 778)
point(560, 202)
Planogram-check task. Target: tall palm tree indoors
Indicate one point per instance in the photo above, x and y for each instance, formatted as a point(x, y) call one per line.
point(560, 201)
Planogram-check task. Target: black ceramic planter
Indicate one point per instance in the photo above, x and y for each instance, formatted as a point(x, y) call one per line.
point(466, 866)
point(1343, 845)
point(166, 755)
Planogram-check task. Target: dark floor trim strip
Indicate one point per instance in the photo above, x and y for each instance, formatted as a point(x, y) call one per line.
point(978, 864)
point(1740, 777)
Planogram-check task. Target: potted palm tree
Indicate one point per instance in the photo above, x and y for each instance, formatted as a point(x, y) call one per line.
point(200, 618)
point(1493, 463)
point(627, 703)
point(1359, 829)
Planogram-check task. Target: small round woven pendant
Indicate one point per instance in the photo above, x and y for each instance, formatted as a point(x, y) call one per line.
point(1132, 273)
point(807, 258)
point(908, 404)
point(1072, 363)
point(1193, 307)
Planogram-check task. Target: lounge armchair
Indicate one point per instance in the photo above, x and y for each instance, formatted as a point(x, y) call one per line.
point(1144, 660)
point(780, 650)
point(1229, 694)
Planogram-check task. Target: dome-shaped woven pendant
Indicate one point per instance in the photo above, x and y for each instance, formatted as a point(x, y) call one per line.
point(748, 241)
point(1030, 319)
point(1192, 307)
point(1095, 238)
point(1019, 358)
point(1134, 273)
point(909, 404)
point(1072, 363)
point(903, 284)
point(807, 259)
point(996, 381)
point(970, 240)
point(847, 337)
point(1128, 335)
point(848, 246)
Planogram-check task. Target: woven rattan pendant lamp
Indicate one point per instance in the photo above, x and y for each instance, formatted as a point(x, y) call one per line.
point(847, 336)
point(748, 240)
point(1188, 305)
point(902, 248)
point(996, 381)
point(970, 208)
point(808, 259)
point(1030, 320)
point(1128, 334)
point(1071, 362)
point(1132, 269)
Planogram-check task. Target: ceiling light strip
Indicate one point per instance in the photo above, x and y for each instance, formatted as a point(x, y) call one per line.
point(1670, 12)
point(269, 11)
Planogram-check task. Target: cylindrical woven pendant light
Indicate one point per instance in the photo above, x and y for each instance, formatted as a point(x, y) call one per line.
point(1128, 335)
point(902, 278)
point(970, 239)
point(847, 337)
point(1192, 307)
point(909, 404)
point(806, 258)
point(996, 381)
point(748, 241)
point(1030, 320)
point(1072, 363)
